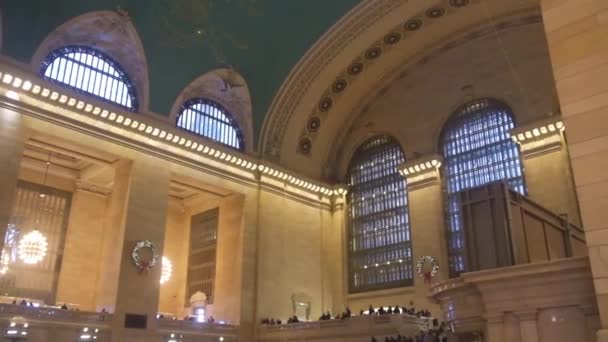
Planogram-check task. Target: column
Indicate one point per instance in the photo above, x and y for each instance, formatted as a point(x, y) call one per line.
point(12, 138)
point(144, 218)
point(494, 328)
point(81, 253)
point(333, 257)
point(576, 33)
point(528, 325)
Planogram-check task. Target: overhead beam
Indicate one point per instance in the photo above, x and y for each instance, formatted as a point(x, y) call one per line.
point(74, 154)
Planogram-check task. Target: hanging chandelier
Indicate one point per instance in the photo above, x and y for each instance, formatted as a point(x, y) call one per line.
point(4, 261)
point(32, 247)
point(166, 270)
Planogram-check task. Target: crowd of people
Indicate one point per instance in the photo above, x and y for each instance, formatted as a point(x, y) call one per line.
point(396, 310)
point(272, 321)
point(390, 310)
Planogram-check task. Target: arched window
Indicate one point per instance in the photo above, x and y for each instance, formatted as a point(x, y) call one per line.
point(209, 119)
point(380, 250)
point(92, 72)
point(477, 150)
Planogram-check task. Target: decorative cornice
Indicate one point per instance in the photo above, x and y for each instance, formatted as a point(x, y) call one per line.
point(421, 172)
point(30, 95)
point(96, 189)
point(540, 137)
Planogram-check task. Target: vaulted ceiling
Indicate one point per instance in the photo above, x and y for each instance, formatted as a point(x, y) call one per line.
point(183, 39)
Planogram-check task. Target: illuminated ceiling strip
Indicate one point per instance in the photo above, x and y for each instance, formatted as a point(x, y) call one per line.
point(124, 121)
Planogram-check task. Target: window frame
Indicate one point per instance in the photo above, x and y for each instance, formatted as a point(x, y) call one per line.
point(478, 109)
point(122, 76)
point(400, 217)
point(230, 122)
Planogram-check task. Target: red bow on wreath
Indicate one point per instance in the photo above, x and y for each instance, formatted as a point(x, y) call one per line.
point(427, 277)
point(144, 266)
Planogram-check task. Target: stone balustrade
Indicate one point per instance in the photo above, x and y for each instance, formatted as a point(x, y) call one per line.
point(539, 302)
point(354, 329)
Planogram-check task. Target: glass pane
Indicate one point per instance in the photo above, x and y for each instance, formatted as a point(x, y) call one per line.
point(207, 119)
point(379, 235)
point(92, 72)
point(478, 150)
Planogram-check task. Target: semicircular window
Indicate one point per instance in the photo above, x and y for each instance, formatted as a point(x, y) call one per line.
point(477, 150)
point(209, 119)
point(92, 72)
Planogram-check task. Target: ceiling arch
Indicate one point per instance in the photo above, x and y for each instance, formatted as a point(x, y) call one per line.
point(419, 96)
point(297, 125)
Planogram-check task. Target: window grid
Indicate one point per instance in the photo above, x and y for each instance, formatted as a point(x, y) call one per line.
point(478, 150)
point(202, 256)
point(209, 119)
point(92, 72)
point(379, 234)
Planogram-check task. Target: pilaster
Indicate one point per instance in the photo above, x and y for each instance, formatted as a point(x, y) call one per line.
point(145, 211)
point(494, 327)
point(12, 138)
point(528, 325)
point(576, 31)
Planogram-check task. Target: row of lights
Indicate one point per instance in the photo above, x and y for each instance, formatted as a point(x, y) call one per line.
point(17, 328)
point(88, 334)
point(178, 338)
point(420, 168)
point(269, 171)
point(400, 261)
point(538, 132)
point(155, 132)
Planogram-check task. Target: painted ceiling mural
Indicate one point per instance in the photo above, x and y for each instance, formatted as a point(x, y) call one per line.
point(183, 39)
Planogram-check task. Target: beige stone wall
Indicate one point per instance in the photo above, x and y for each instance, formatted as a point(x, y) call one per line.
point(576, 31)
point(79, 273)
point(549, 179)
point(289, 256)
point(172, 293)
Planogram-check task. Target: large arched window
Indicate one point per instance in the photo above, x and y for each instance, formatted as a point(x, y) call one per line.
point(380, 250)
point(477, 150)
point(209, 119)
point(92, 72)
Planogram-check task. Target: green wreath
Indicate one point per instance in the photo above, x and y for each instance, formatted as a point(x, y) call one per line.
point(429, 274)
point(144, 265)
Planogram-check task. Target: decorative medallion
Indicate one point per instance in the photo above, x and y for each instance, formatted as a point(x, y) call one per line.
point(427, 268)
point(304, 146)
point(355, 68)
point(373, 53)
point(392, 38)
point(144, 264)
point(435, 12)
point(325, 104)
point(459, 3)
point(313, 124)
point(413, 25)
point(339, 85)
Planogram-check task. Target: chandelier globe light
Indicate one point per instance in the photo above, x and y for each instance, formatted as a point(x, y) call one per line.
point(32, 248)
point(166, 270)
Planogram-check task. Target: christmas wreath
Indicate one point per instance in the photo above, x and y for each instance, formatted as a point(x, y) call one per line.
point(144, 265)
point(426, 274)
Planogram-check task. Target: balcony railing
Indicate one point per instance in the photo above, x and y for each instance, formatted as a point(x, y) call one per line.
point(504, 228)
point(54, 314)
point(354, 327)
